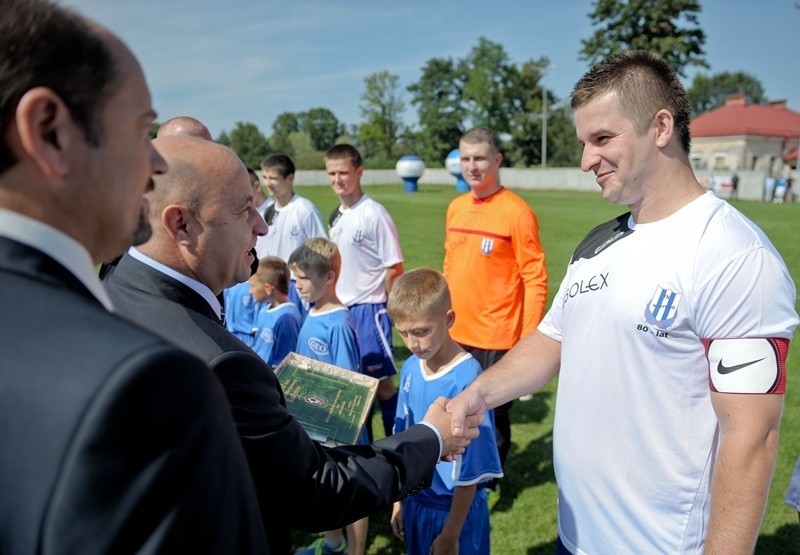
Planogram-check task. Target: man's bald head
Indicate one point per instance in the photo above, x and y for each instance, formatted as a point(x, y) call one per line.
point(186, 126)
point(198, 169)
point(203, 214)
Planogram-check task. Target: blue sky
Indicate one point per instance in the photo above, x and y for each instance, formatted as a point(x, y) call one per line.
point(250, 60)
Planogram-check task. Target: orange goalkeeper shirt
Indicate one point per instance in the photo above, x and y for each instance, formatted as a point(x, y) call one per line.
point(494, 266)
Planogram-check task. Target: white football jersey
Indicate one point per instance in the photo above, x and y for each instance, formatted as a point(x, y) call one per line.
point(368, 242)
point(635, 435)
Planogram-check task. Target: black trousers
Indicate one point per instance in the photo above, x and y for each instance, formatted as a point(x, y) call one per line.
point(502, 418)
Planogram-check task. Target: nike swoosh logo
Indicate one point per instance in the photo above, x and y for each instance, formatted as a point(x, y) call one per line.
point(722, 369)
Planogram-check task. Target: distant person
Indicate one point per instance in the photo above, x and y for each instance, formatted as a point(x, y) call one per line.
point(494, 265)
point(371, 260)
point(793, 493)
point(277, 321)
point(262, 201)
point(452, 515)
point(112, 439)
point(204, 225)
point(292, 219)
point(328, 334)
point(184, 125)
point(669, 336)
point(735, 187)
point(769, 188)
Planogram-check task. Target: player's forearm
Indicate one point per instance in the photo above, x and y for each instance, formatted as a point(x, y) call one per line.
point(392, 273)
point(739, 492)
point(526, 368)
point(459, 508)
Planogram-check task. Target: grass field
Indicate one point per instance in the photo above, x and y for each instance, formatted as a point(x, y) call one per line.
point(524, 521)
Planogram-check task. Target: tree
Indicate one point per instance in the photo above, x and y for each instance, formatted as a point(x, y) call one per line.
point(709, 91)
point(525, 109)
point(322, 127)
point(284, 125)
point(248, 142)
point(382, 107)
point(489, 77)
point(653, 25)
point(438, 96)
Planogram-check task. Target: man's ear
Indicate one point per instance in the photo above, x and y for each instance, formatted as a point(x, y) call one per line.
point(46, 130)
point(178, 223)
point(664, 123)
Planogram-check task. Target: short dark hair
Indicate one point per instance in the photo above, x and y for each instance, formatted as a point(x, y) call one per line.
point(645, 83)
point(273, 271)
point(345, 151)
point(478, 135)
point(317, 255)
point(45, 45)
point(280, 162)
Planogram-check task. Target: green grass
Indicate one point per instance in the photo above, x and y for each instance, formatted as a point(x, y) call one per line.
point(524, 521)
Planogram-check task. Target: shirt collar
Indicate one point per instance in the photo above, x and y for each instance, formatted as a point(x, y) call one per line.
point(57, 245)
point(199, 288)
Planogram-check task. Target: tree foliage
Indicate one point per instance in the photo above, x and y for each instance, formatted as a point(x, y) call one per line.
point(284, 125)
point(489, 85)
point(382, 106)
point(248, 142)
point(666, 27)
point(438, 96)
point(322, 127)
point(709, 91)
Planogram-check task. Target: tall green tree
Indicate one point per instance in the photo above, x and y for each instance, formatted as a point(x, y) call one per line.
point(709, 91)
point(249, 143)
point(666, 27)
point(438, 97)
point(284, 125)
point(489, 78)
point(382, 106)
point(322, 127)
point(526, 113)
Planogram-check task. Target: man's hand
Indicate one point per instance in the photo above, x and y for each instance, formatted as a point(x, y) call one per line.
point(464, 405)
point(452, 445)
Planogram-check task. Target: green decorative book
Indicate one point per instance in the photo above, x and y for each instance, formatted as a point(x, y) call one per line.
point(330, 402)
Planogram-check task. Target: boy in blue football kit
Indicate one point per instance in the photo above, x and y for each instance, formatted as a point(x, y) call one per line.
point(452, 515)
point(328, 334)
point(277, 320)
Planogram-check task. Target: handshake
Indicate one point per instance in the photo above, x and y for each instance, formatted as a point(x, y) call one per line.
point(457, 421)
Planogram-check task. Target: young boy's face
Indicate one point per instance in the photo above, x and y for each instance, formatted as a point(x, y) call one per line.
point(257, 289)
point(278, 185)
point(310, 286)
point(425, 334)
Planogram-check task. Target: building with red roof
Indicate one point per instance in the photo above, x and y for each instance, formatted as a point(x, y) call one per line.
point(740, 136)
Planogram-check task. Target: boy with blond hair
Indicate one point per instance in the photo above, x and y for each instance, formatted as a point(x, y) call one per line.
point(328, 334)
point(277, 320)
point(452, 515)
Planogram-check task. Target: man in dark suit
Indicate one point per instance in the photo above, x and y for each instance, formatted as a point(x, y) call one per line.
point(205, 222)
point(112, 440)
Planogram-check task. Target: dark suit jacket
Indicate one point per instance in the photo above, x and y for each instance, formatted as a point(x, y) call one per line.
point(111, 439)
point(300, 483)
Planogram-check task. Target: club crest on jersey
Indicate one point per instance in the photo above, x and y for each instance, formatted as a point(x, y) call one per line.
point(663, 307)
point(358, 236)
point(295, 231)
point(487, 246)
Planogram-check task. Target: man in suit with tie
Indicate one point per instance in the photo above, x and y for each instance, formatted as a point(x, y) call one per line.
point(204, 223)
point(113, 440)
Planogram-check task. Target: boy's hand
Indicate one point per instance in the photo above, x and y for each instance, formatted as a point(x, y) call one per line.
point(397, 520)
point(444, 546)
point(440, 418)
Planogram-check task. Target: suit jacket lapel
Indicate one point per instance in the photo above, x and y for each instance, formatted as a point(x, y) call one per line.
point(138, 275)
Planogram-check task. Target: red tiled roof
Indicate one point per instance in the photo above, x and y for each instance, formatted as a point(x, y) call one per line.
point(750, 119)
